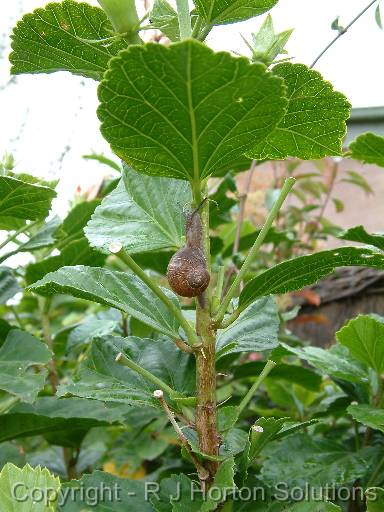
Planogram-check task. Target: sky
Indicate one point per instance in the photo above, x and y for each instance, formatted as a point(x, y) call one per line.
point(48, 121)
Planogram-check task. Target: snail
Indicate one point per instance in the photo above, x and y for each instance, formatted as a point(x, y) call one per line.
point(187, 271)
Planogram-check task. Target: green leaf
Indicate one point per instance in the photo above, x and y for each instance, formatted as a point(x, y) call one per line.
point(364, 338)
point(227, 417)
point(101, 378)
point(164, 18)
point(66, 36)
point(367, 415)
point(258, 440)
point(67, 419)
point(299, 272)
point(177, 485)
point(313, 506)
point(314, 125)
point(301, 459)
point(94, 326)
point(76, 220)
point(77, 252)
point(143, 213)
point(24, 200)
point(267, 45)
point(358, 234)
point(220, 12)
point(255, 330)
point(119, 290)
point(119, 495)
point(339, 205)
point(8, 284)
point(357, 179)
point(17, 484)
point(368, 148)
point(44, 237)
point(223, 481)
point(375, 499)
point(196, 88)
point(333, 361)
point(20, 356)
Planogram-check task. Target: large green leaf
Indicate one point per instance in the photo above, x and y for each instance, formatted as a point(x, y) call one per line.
point(77, 252)
point(305, 270)
point(367, 415)
point(333, 361)
point(24, 200)
point(76, 220)
point(119, 495)
point(301, 459)
point(364, 338)
point(102, 378)
point(189, 112)
point(164, 17)
point(8, 284)
point(314, 125)
point(176, 485)
point(18, 486)
point(20, 355)
point(143, 213)
point(219, 12)
point(359, 234)
point(256, 329)
point(368, 148)
point(119, 290)
point(66, 36)
point(67, 419)
point(44, 237)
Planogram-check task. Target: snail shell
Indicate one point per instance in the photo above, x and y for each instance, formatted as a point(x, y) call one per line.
point(187, 272)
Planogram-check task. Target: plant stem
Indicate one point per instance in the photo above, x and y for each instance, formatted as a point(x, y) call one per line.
point(125, 361)
point(206, 414)
point(11, 238)
point(184, 19)
point(342, 32)
point(216, 299)
point(288, 184)
point(190, 333)
point(248, 397)
point(44, 305)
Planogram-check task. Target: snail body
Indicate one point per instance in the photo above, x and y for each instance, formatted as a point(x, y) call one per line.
point(187, 271)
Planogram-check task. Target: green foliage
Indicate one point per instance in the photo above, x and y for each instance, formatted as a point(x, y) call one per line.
point(364, 338)
point(22, 361)
point(23, 200)
point(299, 272)
point(359, 234)
point(66, 36)
point(314, 124)
point(266, 44)
point(120, 290)
point(8, 285)
point(220, 12)
point(244, 100)
point(367, 415)
point(164, 18)
point(133, 215)
point(16, 485)
point(368, 148)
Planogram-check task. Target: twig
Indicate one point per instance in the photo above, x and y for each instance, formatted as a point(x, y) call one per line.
point(201, 471)
point(342, 32)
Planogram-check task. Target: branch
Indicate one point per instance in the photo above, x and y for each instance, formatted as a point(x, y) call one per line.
point(254, 250)
point(342, 32)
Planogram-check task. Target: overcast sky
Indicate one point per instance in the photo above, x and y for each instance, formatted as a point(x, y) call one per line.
point(44, 117)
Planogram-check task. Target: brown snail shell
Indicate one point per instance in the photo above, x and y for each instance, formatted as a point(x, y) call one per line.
point(187, 272)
